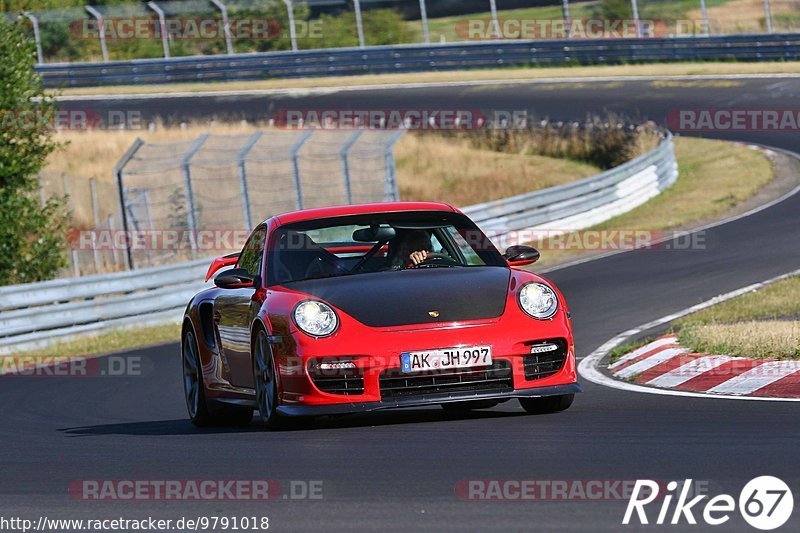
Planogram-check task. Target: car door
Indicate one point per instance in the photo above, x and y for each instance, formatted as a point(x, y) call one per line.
point(234, 310)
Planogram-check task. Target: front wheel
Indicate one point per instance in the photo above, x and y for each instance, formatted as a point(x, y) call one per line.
point(548, 404)
point(266, 385)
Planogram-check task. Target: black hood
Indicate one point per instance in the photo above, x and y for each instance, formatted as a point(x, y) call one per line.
point(403, 297)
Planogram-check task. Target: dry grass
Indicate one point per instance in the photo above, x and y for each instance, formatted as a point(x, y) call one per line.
point(113, 341)
point(771, 339)
point(714, 177)
point(779, 300)
point(747, 16)
point(520, 74)
point(760, 324)
point(435, 168)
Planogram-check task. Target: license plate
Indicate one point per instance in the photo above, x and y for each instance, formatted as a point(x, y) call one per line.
point(446, 358)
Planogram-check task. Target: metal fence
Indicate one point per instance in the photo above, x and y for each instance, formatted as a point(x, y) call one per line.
point(222, 183)
point(35, 314)
point(91, 203)
point(417, 58)
point(99, 22)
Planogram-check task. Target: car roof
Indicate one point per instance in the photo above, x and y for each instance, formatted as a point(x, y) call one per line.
point(359, 209)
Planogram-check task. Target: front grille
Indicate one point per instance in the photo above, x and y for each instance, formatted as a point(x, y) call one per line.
point(543, 365)
point(496, 378)
point(346, 382)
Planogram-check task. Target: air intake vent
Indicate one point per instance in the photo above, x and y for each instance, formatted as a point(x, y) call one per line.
point(546, 358)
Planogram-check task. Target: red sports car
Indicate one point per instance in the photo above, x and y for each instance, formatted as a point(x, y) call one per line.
point(358, 308)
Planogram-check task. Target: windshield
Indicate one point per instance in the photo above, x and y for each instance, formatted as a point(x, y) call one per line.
point(346, 246)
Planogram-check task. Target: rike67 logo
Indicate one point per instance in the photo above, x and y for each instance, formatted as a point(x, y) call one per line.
point(765, 503)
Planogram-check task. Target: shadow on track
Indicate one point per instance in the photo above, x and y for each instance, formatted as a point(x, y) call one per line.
point(184, 427)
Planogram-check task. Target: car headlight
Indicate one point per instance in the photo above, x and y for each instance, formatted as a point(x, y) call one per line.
point(315, 318)
point(538, 300)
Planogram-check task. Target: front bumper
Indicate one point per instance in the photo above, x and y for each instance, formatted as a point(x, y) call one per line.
point(431, 399)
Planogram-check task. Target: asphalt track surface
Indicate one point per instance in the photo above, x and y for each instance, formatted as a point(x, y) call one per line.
point(398, 470)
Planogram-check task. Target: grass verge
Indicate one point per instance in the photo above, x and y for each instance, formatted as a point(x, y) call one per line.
point(432, 168)
point(762, 324)
point(715, 176)
point(508, 74)
point(112, 341)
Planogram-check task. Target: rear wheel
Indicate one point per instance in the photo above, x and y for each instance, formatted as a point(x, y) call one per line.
point(465, 407)
point(548, 404)
point(194, 391)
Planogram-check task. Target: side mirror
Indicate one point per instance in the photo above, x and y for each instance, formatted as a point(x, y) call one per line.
point(236, 278)
point(521, 255)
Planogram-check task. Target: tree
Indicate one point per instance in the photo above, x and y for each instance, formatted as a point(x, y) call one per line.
point(32, 237)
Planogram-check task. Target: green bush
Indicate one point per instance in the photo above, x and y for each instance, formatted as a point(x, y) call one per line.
point(616, 9)
point(605, 142)
point(32, 237)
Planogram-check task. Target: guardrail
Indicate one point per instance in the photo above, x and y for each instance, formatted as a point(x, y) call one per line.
point(36, 314)
point(579, 204)
point(414, 58)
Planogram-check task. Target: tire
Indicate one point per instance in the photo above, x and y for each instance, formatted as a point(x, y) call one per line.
point(194, 392)
point(266, 386)
point(465, 407)
point(548, 404)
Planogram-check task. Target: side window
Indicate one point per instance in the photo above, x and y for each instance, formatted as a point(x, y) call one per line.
point(473, 259)
point(253, 252)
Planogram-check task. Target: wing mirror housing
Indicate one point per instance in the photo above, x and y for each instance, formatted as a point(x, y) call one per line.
point(237, 278)
point(520, 255)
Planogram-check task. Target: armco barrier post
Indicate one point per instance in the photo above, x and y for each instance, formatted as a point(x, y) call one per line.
point(359, 23)
point(96, 221)
point(36, 35)
point(162, 26)
point(423, 15)
point(348, 192)
point(240, 159)
point(296, 166)
point(101, 28)
point(495, 21)
point(704, 16)
point(768, 15)
point(391, 189)
point(187, 183)
point(635, 8)
point(119, 168)
point(292, 29)
point(226, 24)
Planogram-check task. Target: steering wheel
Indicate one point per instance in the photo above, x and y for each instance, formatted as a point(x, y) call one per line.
point(435, 261)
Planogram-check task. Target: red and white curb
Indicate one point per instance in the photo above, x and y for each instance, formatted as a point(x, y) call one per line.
point(665, 363)
point(674, 371)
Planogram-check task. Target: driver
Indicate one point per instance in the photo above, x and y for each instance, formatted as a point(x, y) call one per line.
point(413, 247)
